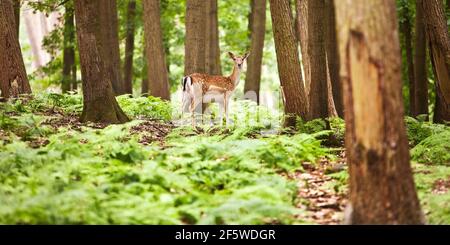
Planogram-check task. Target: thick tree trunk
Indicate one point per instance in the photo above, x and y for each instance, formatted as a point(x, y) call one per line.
point(253, 77)
point(382, 189)
point(13, 76)
point(195, 41)
point(212, 50)
point(333, 60)
point(129, 48)
point(156, 59)
point(406, 29)
point(110, 43)
point(99, 103)
point(437, 32)
point(318, 99)
point(295, 101)
point(302, 36)
point(17, 15)
point(68, 52)
point(420, 64)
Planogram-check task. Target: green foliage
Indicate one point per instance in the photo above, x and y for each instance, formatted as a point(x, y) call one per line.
point(435, 204)
point(419, 129)
point(104, 176)
point(149, 107)
point(434, 149)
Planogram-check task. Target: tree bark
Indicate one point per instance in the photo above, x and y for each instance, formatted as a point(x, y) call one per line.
point(129, 48)
point(406, 29)
point(17, 15)
point(253, 77)
point(295, 100)
point(13, 76)
point(333, 60)
point(420, 64)
point(318, 99)
point(195, 41)
point(69, 51)
point(212, 50)
point(437, 32)
point(99, 103)
point(156, 59)
point(302, 36)
point(110, 43)
point(144, 83)
point(382, 189)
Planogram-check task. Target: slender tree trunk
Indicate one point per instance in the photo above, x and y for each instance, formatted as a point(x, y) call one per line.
point(156, 59)
point(144, 83)
point(69, 51)
point(253, 77)
point(295, 101)
point(99, 103)
point(302, 36)
point(13, 76)
point(420, 64)
point(212, 50)
point(34, 36)
point(437, 32)
point(195, 41)
point(382, 189)
point(333, 60)
point(129, 48)
point(318, 99)
point(406, 29)
point(110, 43)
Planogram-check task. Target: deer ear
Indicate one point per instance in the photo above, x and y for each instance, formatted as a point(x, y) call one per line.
point(231, 55)
point(246, 55)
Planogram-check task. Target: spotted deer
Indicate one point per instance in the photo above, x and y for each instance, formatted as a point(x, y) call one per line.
point(199, 89)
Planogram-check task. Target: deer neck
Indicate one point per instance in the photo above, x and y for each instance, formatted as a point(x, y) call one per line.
point(235, 75)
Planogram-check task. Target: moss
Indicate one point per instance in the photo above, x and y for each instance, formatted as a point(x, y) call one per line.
point(434, 149)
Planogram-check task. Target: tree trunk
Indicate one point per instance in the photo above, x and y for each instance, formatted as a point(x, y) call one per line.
point(144, 83)
point(382, 189)
point(13, 76)
point(295, 101)
point(318, 99)
point(437, 32)
point(17, 15)
point(253, 77)
point(110, 43)
point(302, 36)
point(129, 48)
point(420, 64)
point(195, 41)
point(406, 29)
point(212, 50)
point(333, 60)
point(156, 59)
point(99, 103)
point(69, 51)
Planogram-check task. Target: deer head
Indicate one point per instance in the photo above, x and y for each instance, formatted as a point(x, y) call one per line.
point(238, 60)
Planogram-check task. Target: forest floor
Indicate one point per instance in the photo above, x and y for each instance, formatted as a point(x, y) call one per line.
point(56, 170)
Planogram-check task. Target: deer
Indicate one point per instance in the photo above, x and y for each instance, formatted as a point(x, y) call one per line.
point(200, 88)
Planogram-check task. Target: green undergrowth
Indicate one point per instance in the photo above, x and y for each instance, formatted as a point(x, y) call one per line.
point(208, 175)
point(105, 176)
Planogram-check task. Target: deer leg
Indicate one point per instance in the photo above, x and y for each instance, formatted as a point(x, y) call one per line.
point(225, 106)
point(192, 109)
point(221, 111)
